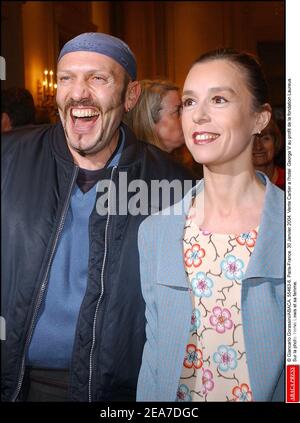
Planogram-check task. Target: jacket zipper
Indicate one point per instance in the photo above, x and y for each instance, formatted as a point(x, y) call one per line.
point(102, 290)
point(44, 284)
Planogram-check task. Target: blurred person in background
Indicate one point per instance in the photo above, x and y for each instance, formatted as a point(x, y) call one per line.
point(156, 118)
point(266, 148)
point(17, 108)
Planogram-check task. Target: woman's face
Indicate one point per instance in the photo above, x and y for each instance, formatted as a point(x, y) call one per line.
point(263, 149)
point(218, 119)
point(168, 128)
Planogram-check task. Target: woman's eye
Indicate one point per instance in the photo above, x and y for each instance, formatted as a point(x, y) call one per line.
point(219, 100)
point(188, 102)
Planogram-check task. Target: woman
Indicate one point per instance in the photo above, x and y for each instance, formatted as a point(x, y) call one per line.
point(266, 148)
point(213, 276)
point(156, 119)
point(156, 116)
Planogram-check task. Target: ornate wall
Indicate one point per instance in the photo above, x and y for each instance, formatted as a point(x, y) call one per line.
point(166, 37)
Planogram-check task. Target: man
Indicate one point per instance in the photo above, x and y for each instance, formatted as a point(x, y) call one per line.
point(17, 108)
point(75, 326)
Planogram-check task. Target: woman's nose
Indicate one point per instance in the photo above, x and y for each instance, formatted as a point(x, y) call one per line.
point(200, 114)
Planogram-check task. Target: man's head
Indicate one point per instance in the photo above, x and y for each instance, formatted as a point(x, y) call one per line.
point(17, 108)
point(95, 86)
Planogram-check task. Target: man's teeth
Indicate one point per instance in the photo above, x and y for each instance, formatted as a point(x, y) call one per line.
point(202, 137)
point(79, 113)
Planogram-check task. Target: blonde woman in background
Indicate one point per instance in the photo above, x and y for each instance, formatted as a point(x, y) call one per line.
point(156, 119)
point(156, 116)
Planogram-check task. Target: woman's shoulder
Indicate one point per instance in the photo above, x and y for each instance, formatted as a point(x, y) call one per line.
point(276, 194)
point(157, 222)
point(166, 224)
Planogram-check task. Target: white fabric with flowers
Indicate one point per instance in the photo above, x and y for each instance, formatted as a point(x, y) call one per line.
point(215, 366)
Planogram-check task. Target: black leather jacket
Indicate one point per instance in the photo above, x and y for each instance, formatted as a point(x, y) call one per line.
point(37, 181)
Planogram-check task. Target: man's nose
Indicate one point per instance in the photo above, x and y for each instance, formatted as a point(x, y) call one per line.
point(79, 90)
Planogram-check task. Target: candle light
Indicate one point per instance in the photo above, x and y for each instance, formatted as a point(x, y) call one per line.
point(51, 82)
point(46, 81)
point(44, 89)
point(49, 87)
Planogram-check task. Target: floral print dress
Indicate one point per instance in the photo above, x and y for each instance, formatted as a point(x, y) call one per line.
point(215, 365)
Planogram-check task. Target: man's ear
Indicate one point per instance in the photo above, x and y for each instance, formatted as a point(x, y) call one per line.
point(5, 122)
point(132, 95)
point(263, 118)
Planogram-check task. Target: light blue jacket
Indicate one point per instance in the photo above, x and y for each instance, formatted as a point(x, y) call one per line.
point(169, 308)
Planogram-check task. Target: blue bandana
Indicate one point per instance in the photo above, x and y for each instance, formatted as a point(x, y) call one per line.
point(105, 44)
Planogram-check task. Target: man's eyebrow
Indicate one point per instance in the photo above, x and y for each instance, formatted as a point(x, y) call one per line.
point(89, 71)
point(212, 89)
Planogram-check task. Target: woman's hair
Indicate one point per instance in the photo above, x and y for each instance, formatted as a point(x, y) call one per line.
point(273, 130)
point(248, 63)
point(146, 113)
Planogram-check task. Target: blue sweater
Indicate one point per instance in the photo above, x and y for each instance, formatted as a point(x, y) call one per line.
point(52, 342)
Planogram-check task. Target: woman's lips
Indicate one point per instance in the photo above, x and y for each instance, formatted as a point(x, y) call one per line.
point(201, 138)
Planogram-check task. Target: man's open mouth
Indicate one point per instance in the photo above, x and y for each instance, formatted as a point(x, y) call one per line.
point(83, 119)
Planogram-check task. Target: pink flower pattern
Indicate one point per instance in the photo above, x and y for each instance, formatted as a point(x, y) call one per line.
point(215, 362)
point(207, 380)
point(221, 319)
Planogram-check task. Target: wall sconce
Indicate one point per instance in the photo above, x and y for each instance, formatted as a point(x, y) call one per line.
point(46, 95)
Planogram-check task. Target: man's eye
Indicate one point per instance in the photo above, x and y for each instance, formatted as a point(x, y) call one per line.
point(219, 100)
point(188, 102)
point(64, 78)
point(98, 78)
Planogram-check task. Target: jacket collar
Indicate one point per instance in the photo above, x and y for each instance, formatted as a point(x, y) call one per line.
point(267, 258)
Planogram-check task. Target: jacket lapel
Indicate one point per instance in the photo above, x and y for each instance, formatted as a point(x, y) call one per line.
point(171, 269)
point(269, 246)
